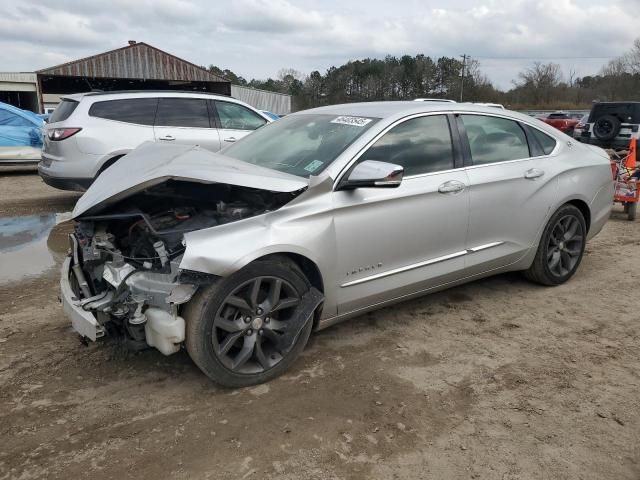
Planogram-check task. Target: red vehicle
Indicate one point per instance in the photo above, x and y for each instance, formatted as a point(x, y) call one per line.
point(563, 121)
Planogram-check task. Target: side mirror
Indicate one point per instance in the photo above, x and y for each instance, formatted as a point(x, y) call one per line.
point(373, 174)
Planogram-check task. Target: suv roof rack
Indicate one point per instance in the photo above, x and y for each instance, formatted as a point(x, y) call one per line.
point(118, 92)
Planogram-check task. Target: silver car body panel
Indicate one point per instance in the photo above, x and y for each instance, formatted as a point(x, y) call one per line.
point(374, 247)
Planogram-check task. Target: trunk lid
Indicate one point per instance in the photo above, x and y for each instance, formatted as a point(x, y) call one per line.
point(152, 164)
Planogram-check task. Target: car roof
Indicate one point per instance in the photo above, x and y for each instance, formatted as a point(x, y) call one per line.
point(145, 94)
point(402, 108)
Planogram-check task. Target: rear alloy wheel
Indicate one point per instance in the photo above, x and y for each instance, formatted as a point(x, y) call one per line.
point(631, 208)
point(243, 329)
point(561, 248)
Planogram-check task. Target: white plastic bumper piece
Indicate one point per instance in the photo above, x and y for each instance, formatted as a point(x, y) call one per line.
point(82, 321)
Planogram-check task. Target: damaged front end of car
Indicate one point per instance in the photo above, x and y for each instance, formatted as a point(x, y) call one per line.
point(123, 275)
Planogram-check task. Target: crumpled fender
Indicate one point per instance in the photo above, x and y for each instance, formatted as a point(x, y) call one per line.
point(304, 227)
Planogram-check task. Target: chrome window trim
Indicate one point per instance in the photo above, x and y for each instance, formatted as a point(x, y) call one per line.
point(530, 124)
point(377, 137)
point(424, 263)
point(361, 152)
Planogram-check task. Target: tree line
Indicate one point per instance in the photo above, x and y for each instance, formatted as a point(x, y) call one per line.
point(540, 86)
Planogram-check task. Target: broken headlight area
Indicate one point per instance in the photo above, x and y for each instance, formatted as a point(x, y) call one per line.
point(125, 259)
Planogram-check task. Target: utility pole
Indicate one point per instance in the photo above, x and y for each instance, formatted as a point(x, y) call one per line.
point(464, 64)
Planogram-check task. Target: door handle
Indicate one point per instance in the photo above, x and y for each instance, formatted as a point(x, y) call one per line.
point(230, 139)
point(533, 173)
point(167, 138)
point(452, 186)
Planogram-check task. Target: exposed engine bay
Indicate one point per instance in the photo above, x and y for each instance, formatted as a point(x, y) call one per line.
point(124, 265)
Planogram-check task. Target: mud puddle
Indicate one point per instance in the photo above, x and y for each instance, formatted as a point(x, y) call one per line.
point(30, 245)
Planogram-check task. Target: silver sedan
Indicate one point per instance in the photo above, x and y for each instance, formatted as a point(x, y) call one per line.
point(320, 217)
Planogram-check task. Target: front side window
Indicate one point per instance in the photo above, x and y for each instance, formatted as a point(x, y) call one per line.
point(183, 112)
point(494, 139)
point(236, 117)
point(140, 111)
point(420, 145)
point(301, 144)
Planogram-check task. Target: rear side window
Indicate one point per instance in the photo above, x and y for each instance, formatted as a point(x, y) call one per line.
point(420, 145)
point(494, 139)
point(63, 111)
point(140, 111)
point(236, 117)
point(546, 142)
point(183, 112)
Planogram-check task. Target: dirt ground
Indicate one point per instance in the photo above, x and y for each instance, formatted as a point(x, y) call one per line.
point(497, 379)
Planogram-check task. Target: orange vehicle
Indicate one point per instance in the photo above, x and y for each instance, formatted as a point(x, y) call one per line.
point(627, 191)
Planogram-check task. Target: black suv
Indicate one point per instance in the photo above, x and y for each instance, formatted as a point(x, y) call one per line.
point(612, 124)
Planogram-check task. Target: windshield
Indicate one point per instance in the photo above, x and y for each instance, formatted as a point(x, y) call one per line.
point(301, 145)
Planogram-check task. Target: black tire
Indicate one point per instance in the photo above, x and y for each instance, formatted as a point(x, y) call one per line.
point(606, 127)
point(211, 305)
point(557, 259)
point(631, 208)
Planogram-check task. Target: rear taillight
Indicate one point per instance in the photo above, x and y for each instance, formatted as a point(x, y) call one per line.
point(57, 134)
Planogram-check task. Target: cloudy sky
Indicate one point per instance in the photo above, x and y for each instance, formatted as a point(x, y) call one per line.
point(256, 38)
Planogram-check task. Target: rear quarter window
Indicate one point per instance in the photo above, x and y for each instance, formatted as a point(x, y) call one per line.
point(63, 111)
point(141, 111)
point(546, 142)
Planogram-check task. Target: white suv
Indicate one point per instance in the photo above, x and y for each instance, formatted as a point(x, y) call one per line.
point(89, 132)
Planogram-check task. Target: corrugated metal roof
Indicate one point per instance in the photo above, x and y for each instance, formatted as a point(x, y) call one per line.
point(136, 61)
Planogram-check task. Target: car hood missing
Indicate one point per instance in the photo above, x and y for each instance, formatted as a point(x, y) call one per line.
point(152, 164)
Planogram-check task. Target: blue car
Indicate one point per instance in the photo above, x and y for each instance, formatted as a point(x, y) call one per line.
point(20, 136)
point(271, 115)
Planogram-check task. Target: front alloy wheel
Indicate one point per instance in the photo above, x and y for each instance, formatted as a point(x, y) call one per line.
point(251, 322)
point(250, 327)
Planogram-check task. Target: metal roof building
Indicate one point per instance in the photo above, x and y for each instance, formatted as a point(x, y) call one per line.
point(138, 66)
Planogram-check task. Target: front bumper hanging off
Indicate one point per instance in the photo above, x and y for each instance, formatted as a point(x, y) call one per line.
point(82, 321)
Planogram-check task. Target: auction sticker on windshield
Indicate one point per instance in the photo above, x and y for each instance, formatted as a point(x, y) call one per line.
point(355, 121)
point(313, 166)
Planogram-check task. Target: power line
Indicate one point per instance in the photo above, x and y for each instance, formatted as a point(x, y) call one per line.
point(486, 57)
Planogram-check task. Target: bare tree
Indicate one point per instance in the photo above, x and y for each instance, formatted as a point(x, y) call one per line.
point(631, 59)
point(540, 80)
point(572, 77)
point(291, 72)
